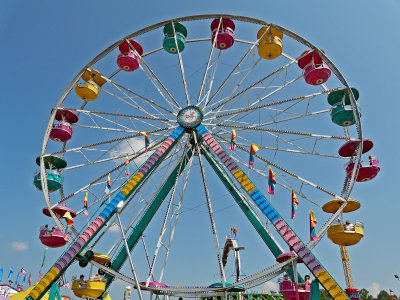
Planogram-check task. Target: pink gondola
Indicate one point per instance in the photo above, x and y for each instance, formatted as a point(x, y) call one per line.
point(61, 132)
point(64, 114)
point(128, 62)
point(365, 173)
point(349, 148)
point(287, 255)
point(129, 59)
point(316, 71)
point(288, 289)
point(226, 33)
point(53, 238)
point(59, 211)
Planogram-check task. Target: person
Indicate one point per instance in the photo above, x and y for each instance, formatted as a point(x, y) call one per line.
point(82, 279)
point(349, 226)
point(307, 281)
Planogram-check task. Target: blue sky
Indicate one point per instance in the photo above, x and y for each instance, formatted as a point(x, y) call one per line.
point(45, 43)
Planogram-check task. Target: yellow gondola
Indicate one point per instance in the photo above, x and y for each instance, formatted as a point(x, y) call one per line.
point(270, 46)
point(333, 205)
point(88, 91)
point(93, 74)
point(92, 288)
point(342, 237)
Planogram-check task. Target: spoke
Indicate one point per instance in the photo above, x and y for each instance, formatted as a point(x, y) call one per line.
point(292, 174)
point(178, 209)
point(134, 105)
point(254, 128)
point(210, 85)
point(111, 82)
point(208, 62)
point(152, 77)
point(248, 109)
point(181, 66)
point(109, 172)
point(94, 112)
point(234, 69)
point(210, 212)
point(145, 206)
point(163, 227)
point(227, 142)
point(250, 87)
point(154, 132)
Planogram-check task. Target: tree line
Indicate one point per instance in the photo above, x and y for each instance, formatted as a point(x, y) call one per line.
point(364, 294)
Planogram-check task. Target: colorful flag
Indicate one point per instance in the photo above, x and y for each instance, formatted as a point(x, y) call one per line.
point(295, 203)
point(146, 140)
point(10, 274)
point(40, 275)
point(1, 274)
point(70, 221)
point(313, 223)
point(253, 149)
point(23, 272)
point(108, 187)
point(30, 279)
point(127, 165)
point(67, 216)
point(85, 204)
point(271, 182)
point(44, 256)
point(233, 140)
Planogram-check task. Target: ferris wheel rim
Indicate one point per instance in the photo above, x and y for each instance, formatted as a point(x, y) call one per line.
point(192, 18)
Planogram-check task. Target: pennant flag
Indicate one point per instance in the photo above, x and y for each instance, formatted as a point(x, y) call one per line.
point(108, 187)
point(127, 165)
point(271, 182)
point(146, 140)
point(30, 279)
point(233, 140)
point(44, 256)
point(295, 203)
point(16, 280)
point(23, 272)
point(67, 216)
point(313, 223)
point(85, 208)
point(253, 149)
point(10, 274)
point(23, 280)
point(1, 274)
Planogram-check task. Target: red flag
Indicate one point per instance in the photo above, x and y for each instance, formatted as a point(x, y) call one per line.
point(30, 279)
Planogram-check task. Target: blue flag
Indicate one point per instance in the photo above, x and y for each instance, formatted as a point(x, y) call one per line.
point(23, 280)
point(10, 274)
point(1, 274)
point(16, 280)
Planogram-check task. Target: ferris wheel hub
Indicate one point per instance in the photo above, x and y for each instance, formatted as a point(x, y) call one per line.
point(190, 116)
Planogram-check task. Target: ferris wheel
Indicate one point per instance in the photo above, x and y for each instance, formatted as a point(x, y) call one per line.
point(160, 116)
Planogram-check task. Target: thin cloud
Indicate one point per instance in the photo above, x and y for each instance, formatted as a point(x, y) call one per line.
point(130, 146)
point(19, 246)
point(114, 228)
point(374, 289)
